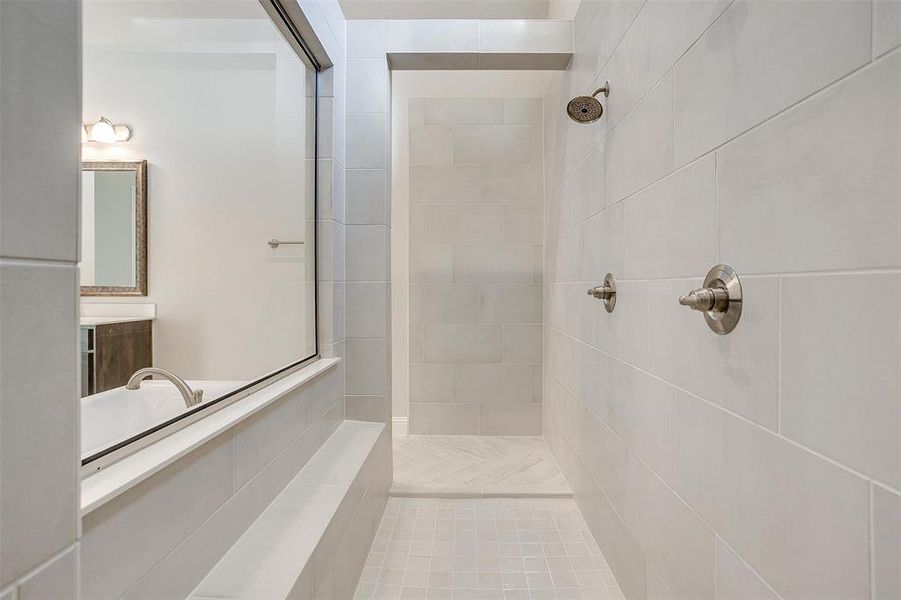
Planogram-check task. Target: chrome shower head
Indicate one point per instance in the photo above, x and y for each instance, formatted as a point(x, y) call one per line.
point(587, 109)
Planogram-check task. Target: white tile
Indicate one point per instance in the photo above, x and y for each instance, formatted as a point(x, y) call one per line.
point(791, 192)
point(661, 33)
point(367, 253)
point(790, 49)
point(625, 332)
point(448, 343)
point(493, 264)
point(367, 197)
point(676, 540)
point(444, 184)
point(425, 35)
point(523, 223)
point(330, 249)
point(366, 38)
point(366, 143)
point(602, 246)
point(586, 187)
point(367, 85)
point(525, 36)
point(523, 110)
point(670, 227)
point(464, 223)
point(851, 418)
point(39, 176)
point(38, 398)
point(492, 384)
point(493, 144)
point(464, 111)
point(640, 410)
point(431, 383)
point(267, 434)
point(431, 145)
point(735, 580)
point(640, 149)
point(886, 25)
point(522, 344)
point(444, 304)
point(367, 366)
point(448, 419)
point(511, 304)
point(886, 543)
point(779, 506)
point(367, 310)
point(431, 264)
point(737, 371)
point(520, 419)
point(57, 580)
point(511, 184)
point(164, 509)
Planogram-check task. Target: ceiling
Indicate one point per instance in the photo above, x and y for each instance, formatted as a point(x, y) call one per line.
point(445, 9)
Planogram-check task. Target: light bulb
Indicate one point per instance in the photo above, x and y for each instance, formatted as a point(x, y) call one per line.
point(103, 131)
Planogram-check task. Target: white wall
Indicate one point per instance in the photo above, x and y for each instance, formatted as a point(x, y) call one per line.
point(222, 110)
point(765, 135)
point(40, 45)
point(428, 84)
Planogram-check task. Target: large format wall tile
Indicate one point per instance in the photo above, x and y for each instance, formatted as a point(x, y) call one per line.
point(492, 384)
point(840, 381)
point(886, 543)
point(39, 206)
point(817, 187)
point(670, 227)
point(886, 25)
point(781, 507)
point(443, 343)
point(493, 144)
point(759, 58)
point(737, 371)
point(735, 580)
point(444, 419)
point(639, 150)
point(125, 537)
point(38, 386)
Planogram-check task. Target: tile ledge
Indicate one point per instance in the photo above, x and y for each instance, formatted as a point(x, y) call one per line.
point(104, 485)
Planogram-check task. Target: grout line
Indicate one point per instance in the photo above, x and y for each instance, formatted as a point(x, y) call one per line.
point(746, 420)
point(872, 545)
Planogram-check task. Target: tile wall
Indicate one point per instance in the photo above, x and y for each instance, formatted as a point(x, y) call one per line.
point(476, 209)
point(366, 292)
point(40, 90)
point(764, 135)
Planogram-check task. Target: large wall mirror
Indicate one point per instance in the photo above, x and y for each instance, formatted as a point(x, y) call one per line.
point(114, 228)
point(209, 107)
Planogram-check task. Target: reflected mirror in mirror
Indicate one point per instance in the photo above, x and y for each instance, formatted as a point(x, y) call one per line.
point(114, 228)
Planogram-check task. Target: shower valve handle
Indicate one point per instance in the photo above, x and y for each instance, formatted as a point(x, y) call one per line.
point(602, 292)
point(720, 300)
point(705, 299)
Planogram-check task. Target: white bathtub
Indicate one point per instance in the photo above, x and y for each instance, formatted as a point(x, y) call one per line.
point(110, 417)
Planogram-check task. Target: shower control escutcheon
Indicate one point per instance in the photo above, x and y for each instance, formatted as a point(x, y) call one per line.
point(606, 292)
point(720, 299)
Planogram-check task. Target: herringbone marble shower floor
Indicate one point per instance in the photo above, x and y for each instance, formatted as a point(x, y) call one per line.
point(473, 466)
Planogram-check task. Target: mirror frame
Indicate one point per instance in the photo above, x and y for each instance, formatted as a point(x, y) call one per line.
point(139, 167)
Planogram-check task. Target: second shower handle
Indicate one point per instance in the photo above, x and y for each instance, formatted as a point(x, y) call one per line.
point(606, 291)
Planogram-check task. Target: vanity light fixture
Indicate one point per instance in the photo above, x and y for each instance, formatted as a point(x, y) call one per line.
point(105, 132)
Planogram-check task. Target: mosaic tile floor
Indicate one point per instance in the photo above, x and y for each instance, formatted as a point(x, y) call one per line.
point(506, 548)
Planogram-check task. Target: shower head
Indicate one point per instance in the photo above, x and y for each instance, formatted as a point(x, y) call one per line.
point(587, 109)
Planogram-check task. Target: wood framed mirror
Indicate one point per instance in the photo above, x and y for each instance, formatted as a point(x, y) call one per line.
point(114, 228)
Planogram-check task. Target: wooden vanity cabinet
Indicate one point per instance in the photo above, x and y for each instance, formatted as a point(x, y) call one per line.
point(111, 352)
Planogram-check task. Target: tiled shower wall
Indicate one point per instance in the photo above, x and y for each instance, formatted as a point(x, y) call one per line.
point(476, 207)
point(764, 135)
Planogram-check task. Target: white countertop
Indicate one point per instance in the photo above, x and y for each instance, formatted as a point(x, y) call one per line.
point(92, 321)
